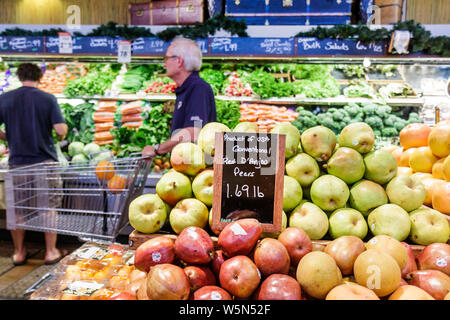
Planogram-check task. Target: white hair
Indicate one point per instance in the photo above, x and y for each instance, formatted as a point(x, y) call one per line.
point(188, 50)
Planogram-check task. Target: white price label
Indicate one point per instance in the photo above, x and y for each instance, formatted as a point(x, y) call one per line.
point(65, 43)
point(124, 51)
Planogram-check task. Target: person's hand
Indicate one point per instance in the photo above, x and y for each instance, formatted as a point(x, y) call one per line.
point(148, 151)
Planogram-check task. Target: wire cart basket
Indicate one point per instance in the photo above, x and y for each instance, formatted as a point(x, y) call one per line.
point(89, 200)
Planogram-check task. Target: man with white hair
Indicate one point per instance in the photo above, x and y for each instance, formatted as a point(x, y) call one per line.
point(195, 105)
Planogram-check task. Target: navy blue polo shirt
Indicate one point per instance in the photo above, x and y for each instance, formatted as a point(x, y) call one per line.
point(195, 104)
point(29, 115)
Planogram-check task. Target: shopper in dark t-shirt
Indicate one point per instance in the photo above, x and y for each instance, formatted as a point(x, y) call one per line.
point(30, 115)
point(195, 105)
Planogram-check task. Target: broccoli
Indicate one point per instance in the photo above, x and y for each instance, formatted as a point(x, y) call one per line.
point(370, 109)
point(400, 124)
point(356, 119)
point(352, 109)
point(383, 111)
point(391, 120)
point(375, 122)
point(389, 132)
point(377, 133)
point(338, 115)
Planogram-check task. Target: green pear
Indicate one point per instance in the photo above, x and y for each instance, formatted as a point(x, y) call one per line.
point(428, 226)
point(329, 192)
point(391, 220)
point(246, 126)
point(292, 137)
point(406, 191)
point(366, 195)
point(292, 193)
point(207, 136)
point(319, 142)
point(174, 186)
point(347, 164)
point(202, 186)
point(147, 213)
point(310, 218)
point(303, 168)
point(357, 135)
point(347, 222)
point(381, 166)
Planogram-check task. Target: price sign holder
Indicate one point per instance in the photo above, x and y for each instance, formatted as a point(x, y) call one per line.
point(65, 43)
point(124, 51)
point(248, 179)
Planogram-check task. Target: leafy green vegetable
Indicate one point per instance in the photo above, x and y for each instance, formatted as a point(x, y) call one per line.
point(79, 121)
point(214, 77)
point(228, 112)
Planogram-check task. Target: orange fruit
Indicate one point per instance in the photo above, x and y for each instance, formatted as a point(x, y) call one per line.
point(104, 170)
point(116, 184)
point(441, 196)
point(429, 184)
point(439, 139)
point(404, 157)
point(422, 160)
point(414, 135)
point(397, 153)
point(446, 168)
point(438, 169)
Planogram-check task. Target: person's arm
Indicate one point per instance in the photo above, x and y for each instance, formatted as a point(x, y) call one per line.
point(61, 130)
point(188, 134)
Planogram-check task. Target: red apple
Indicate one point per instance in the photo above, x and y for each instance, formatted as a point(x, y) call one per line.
point(434, 282)
point(435, 256)
point(344, 250)
point(271, 256)
point(167, 282)
point(239, 276)
point(280, 287)
point(239, 237)
point(297, 243)
point(194, 245)
point(199, 277)
point(211, 293)
point(217, 262)
point(122, 296)
point(154, 251)
point(411, 264)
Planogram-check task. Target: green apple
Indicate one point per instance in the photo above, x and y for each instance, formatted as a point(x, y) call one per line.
point(202, 186)
point(310, 218)
point(292, 193)
point(428, 226)
point(366, 195)
point(174, 186)
point(381, 166)
point(188, 212)
point(292, 137)
point(347, 222)
point(329, 192)
point(406, 191)
point(147, 213)
point(303, 168)
point(391, 220)
point(346, 164)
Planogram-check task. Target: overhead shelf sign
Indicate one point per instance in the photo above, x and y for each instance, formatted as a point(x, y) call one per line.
point(314, 46)
point(22, 44)
point(252, 46)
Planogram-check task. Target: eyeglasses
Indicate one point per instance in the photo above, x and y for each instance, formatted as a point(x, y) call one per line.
point(169, 57)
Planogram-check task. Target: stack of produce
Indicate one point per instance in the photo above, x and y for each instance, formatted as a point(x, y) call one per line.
point(9, 81)
point(339, 188)
point(266, 116)
point(235, 87)
point(228, 112)
point(424, 153)
point(163, 85)
point(315, 81)
point(214, 77)
point(79, 120)
point(266, 86)
point(380, 116)
point(131, 114)
point(87, 154)
point(132, 80)
point(104, 121)
point(55, 77)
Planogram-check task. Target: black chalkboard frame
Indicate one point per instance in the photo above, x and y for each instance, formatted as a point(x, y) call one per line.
point(217, 224)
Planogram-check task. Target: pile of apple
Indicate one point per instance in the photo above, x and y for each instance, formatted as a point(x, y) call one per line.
point(333, 186)
point(241, 265)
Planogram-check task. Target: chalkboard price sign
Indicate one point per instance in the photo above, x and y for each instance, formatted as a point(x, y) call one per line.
point(248, 179)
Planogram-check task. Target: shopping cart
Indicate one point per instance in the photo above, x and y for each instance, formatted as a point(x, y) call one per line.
point(81, 200)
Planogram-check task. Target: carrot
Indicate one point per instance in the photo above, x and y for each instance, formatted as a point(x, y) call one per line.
point(103, 136)
point(132, 117)
point(103, 116)
point(103, 126)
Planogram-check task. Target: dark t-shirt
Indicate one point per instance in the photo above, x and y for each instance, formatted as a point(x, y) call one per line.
point(195, 104)
point(29, 115)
